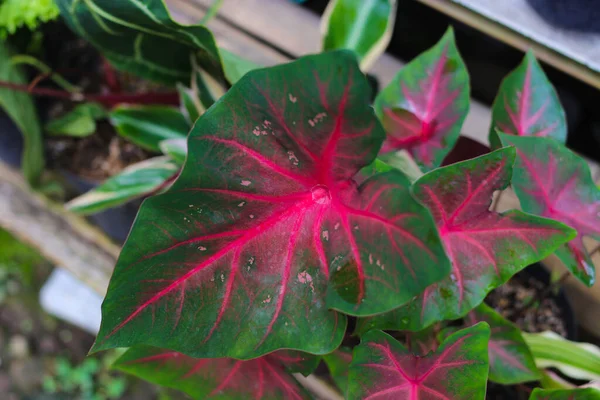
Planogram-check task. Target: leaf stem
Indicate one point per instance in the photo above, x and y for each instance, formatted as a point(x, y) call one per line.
point(46, 71)
point(109, 100)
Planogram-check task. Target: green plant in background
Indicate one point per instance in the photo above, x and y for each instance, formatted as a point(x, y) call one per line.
point(15, 14)
point(90, 380)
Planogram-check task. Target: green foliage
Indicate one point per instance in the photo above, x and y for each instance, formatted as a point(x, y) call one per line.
point(79, 122)
point(90, 380)
point(15, 14)
point(20, 108)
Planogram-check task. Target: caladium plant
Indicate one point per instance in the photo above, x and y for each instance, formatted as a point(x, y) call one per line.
point(288, 202)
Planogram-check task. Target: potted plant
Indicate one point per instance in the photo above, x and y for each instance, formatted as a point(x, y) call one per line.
point(295, 207)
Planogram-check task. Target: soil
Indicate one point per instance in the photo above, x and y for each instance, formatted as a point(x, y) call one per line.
point(103, 154)
point(525, 301)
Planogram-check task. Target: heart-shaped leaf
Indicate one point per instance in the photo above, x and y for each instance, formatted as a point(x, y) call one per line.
point(147, 126)
point(338, 363)
point(363, 26)
point(141, 38)
point(424, 106)
point(485, 248)
point(382, 368)
point(527, 105)
point(234, 260)
point(510, 359)
point(568, 394)
point(135, 181)
point(552, 181)
point(266, 377)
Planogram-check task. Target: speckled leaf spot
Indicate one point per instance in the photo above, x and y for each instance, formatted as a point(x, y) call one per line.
point(424, 107)
point(552, 181)
point(383, 369)
point(265, 378)
point(568, 394)
point(527, 105)
point(511, 361)
point(235, 259)
point(486, 248)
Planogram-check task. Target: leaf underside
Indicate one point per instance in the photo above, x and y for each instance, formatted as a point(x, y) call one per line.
point(486, 248)
point(142, 38)
point(527, 105)
point(382, 368)
point(510, 359)
point(424, 106)
point(554, 182)
point(261, 378)
point(265, 230)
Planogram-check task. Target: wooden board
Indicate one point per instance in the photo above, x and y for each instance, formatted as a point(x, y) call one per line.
point(283, 30)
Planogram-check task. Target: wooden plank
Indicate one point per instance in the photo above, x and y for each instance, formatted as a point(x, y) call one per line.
point(516, 39)
point(64, 239)
point(293, 31)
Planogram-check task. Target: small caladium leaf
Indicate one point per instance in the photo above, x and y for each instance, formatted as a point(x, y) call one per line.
point(147, 126)
point(137, 180)
point(266, 377)
point(235, 259)
point(527, 105)
point(141, 38)
point(485, 248)
point(174, 148)
point(364, 26)
point(338, 364)
point(566, 394)
point(424, 106)
point(382, 368)
point(554, 182)
point(510, 359)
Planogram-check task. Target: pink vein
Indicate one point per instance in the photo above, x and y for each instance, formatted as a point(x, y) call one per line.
point(375, 217)
point(318, 243)
point(238, 242)
point(308, 183)
point(286, 275)
point(285, 384)
point(280, 119)
point(251, 196)
point(227, 295)
point(225, 381)
point(497, 348)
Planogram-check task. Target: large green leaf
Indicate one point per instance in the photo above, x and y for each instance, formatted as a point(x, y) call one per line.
point(141, 37)
point(574, 359)
point(552, 181)
point(265, 378)
point(134, 181)
point(511, 361)
point(382, 368)
point(424, 106)
point(364, 26)
point(486, 248)
point(147, 126)
point(527, 105)
point(20, 108)
point(570, 394)
point(235, 259)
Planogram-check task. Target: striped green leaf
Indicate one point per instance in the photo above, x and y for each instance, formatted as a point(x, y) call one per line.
point(134, 181)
